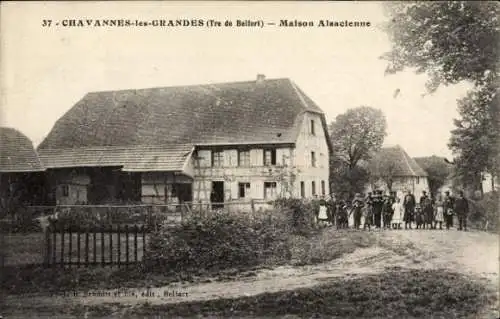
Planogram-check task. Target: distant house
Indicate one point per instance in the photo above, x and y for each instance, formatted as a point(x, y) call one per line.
point(20, 168)
point(392, 165)
point(213, 143)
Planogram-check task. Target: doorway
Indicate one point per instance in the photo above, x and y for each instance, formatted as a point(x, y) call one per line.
point(217, 195)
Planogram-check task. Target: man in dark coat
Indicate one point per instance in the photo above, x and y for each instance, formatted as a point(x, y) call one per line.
point(427, 210)
point(461, 208)
point(448, 207)
point(409, 204)
point(378, 202)
point(387, 211)
point(357, 206)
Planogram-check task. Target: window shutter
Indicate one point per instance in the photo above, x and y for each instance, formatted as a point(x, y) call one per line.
point(234, 190)
point(257, 189)
point(282, 157)
point(257, 157)
point(233, 155)
point(227, 158)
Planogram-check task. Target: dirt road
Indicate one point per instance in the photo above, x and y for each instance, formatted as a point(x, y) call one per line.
point(473, 253)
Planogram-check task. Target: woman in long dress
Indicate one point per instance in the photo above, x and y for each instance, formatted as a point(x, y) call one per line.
point(397, 218)
point(439, 212)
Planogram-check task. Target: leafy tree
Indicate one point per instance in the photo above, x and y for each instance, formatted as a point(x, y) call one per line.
point(474, 141)
point(355, 135)
point(451, 41)
point(455, 41)
point(438, 169)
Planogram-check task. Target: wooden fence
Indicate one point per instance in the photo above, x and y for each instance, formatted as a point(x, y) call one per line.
point(113, 245)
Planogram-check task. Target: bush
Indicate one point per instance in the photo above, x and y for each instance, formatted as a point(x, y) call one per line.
point(486, 211)
point(23, 221)
point(299, 214)
point(216, 242)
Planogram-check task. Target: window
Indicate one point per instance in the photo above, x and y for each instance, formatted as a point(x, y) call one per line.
point(302, 190)
point(217, 158)
point(244, 158)
point(313, 159)
point(313, 132)
point(269, 190)
point(418, 180)
point(323, 189)
point(313, 188)
point(65, 190)
point(243, 190)
point(269, 157)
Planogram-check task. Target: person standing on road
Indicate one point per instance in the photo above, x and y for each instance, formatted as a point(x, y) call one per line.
point(357, 205)
point(448, 206)
point(439, 212)
point(428, 212)
point(409, 204)
point(378, 203)
point(397, 208)
point(461, 207)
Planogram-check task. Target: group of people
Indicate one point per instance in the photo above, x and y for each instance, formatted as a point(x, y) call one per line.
point(390, 212)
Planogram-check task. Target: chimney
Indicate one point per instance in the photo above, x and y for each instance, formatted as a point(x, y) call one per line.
point(260, 78)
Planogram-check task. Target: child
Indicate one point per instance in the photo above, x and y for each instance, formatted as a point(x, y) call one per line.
point(419, 217)
point(368, 212)
point(397, 208)
point(387, 212)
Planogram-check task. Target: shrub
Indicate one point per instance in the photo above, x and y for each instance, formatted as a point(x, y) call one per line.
point(299, 214)
point(486, 211)
point(23, 221)
point(216, 242)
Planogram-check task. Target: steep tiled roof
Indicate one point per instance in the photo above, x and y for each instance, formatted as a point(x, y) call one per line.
point(402, 163)
point(227, 113)
point(134, 158)
point(17, 153)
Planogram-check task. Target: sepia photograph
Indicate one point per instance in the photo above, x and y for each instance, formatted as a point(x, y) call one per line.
point(249, 159)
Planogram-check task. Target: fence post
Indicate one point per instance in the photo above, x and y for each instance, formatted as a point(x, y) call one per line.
point(94, 248)
point(54, 243)
point(48, 245)
point(78, 247)
point(119, 247)
point(70, 245)
point(136, 230)
point(143, 241)
point(62, 244)
point(111, 245)
point(87, 246)
point(102, 245)
point(252, 205)
point(126, 246)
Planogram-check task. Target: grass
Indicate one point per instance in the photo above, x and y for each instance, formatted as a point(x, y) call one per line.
point(323, 246)
point(30, 248)
point(393, 294)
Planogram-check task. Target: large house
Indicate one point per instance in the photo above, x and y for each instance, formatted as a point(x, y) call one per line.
point(20, 170)
point(393, 168)
point(213, 143)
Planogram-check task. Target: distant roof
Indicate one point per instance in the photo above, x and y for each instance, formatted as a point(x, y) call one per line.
point(403, 164)
point(253, 112)
point(17, 153)
point(136, 158)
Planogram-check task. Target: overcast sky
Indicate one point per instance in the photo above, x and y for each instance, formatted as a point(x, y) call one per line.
point(44, 71)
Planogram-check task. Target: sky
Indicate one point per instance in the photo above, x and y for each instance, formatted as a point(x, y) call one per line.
point(46, 70)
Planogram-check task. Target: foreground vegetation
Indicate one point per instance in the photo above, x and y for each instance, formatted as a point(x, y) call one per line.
point(392, 294)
